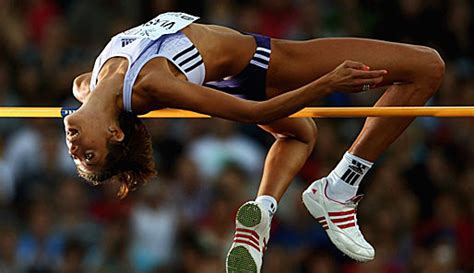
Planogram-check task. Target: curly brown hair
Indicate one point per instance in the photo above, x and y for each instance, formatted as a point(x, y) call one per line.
point(130, 161)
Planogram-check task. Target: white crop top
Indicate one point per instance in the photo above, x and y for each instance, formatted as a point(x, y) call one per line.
point(160, 37)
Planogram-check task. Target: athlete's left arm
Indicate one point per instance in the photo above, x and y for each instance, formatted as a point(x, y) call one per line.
point(165, 90)
point(180, 94)
point(80, 86)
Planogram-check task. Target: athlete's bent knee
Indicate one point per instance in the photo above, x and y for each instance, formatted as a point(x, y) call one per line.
point(303, 130)
point(308, 134)
point(311, 133)
point(432, 67)
point(437, 66)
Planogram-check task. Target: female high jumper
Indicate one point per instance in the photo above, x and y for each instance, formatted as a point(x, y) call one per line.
point(173, 62)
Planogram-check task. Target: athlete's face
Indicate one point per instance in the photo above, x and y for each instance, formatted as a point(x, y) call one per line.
point(87, 140)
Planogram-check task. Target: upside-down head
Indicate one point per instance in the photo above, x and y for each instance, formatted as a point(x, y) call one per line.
point(106, 152)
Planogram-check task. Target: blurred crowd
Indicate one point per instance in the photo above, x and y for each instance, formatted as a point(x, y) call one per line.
point(419, 205)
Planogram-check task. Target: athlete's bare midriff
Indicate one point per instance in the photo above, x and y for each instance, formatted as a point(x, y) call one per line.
point(225, 51)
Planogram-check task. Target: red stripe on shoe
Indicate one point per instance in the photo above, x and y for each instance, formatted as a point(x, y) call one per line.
point(320, 218)
point(247, 243)
point(347, 225)
point(340, 213)
point(255, 234)
point(239, 235)
point(341, 220)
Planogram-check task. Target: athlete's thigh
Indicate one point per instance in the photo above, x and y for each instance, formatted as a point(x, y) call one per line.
point(295, 63)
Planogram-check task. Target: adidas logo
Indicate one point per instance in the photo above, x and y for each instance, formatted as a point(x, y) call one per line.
point(355, 170)
point(126, 42)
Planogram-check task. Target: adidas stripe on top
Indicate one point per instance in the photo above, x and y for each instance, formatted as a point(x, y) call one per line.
point(185, 56)
point(188, 59)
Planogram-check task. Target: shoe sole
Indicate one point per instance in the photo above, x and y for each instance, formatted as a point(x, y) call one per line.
point(309, 203)
point(239, 259)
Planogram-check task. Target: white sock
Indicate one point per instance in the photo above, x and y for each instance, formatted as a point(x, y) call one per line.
point(269, 203)
point(344, 180)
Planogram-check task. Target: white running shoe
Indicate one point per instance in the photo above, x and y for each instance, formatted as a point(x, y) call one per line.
point(339, 220)
point(252, 231)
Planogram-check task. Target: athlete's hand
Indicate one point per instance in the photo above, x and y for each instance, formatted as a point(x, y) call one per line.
point(351, 77)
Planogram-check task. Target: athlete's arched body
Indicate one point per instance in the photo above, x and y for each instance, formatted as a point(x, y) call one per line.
point(184, 69)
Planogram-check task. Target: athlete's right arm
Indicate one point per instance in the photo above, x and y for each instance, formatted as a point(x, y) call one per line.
point(176, 93)
point(80, 86)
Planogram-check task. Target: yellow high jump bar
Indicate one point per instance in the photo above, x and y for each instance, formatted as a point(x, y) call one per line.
point(313, 112)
